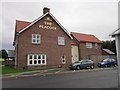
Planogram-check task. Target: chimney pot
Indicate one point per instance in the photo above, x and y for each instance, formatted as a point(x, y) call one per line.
point(45, 10)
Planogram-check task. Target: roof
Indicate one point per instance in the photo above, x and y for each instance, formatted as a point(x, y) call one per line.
point(108, 51)
point(22, 26)
point(86, 37)
point(11, 53)
point(116, 32)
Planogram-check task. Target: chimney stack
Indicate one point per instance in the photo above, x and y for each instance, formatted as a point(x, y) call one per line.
point(45, 10)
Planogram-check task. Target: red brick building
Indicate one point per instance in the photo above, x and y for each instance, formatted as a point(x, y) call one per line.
point(45, 43)
point(42, 43)
point(85, 45)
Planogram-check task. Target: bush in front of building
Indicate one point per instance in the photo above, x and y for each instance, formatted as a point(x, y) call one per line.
point(8, 63)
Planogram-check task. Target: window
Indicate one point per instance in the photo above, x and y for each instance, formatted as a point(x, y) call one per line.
point(113, 60)
point(96, 45)
point(36, 59)
point(61, 41)
point(36, 38)
point(88, 45)
point(63, 59)
point(84, 61)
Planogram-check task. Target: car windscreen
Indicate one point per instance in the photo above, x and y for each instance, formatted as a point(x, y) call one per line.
point(105, 60)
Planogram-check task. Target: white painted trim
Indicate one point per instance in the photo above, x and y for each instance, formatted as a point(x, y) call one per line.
point(75, 37)
point(61, 40)
point(36, 39)
point(60, 25)
point(63, 59)
point(36, 59)
point(115, 32)
point(32, 23)
point(89, 45)
point(41, 18)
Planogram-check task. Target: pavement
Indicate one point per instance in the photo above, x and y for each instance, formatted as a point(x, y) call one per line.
point(48, 72)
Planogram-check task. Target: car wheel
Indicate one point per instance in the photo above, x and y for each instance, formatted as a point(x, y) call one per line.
point(92, 67)
point(78, 67)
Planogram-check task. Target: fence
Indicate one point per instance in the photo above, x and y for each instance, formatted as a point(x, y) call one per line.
point(8, 63)
point(98, 58)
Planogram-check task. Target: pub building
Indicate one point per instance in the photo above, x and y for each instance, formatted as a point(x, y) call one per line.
point(42, 43)
point(46, 43)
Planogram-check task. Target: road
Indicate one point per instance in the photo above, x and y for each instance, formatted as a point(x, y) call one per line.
point(85, 79)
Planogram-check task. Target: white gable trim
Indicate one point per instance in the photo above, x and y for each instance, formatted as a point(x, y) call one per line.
point(75, 37)
point(61, 25)
point(32, 23)
point(41, 18)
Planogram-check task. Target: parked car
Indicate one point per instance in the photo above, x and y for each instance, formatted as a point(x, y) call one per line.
point(107, 63)
point(82, 64)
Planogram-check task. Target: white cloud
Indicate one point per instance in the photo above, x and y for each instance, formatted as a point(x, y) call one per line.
point(98, 18)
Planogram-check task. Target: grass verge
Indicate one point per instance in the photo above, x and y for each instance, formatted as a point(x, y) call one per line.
point(10, 70)
point(1, 59)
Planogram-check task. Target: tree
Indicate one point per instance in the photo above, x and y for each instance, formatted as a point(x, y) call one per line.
point(3, 54)
point(109, 45)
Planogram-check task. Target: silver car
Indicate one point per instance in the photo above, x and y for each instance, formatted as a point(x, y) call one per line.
point(82, 64)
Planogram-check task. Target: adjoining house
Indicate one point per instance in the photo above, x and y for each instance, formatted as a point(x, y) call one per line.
point(85, 45)
point(107, 52)
point(42, 43)
point(11, 55)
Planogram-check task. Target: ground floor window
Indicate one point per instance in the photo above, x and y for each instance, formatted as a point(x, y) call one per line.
point(36, 59)
point(63, 59)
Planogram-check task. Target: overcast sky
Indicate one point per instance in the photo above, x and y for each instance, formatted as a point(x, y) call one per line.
point(96, 17)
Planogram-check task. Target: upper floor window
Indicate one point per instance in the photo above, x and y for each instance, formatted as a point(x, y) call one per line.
point(88, 45)
point(61, 40)
point(36, 38)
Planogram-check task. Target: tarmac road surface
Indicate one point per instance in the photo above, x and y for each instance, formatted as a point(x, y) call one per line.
point(85, 79)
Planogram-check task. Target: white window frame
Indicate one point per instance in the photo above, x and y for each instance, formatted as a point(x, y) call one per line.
point(37, 59)
point(63, 59)
point(61, 40)
point(96, 45)
point(89, 45)
point(36, 39)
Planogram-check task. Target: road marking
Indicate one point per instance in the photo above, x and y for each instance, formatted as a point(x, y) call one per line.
point(74, 71)
point(9, 76)
point(58, 72)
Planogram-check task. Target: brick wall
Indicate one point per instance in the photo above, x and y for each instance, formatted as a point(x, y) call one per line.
point(84, 52)
point(49, 46)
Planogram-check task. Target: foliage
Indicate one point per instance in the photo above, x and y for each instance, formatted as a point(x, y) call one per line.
point(9, 63)
point(109, 45)
point(1, 59)
point(3, 54)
